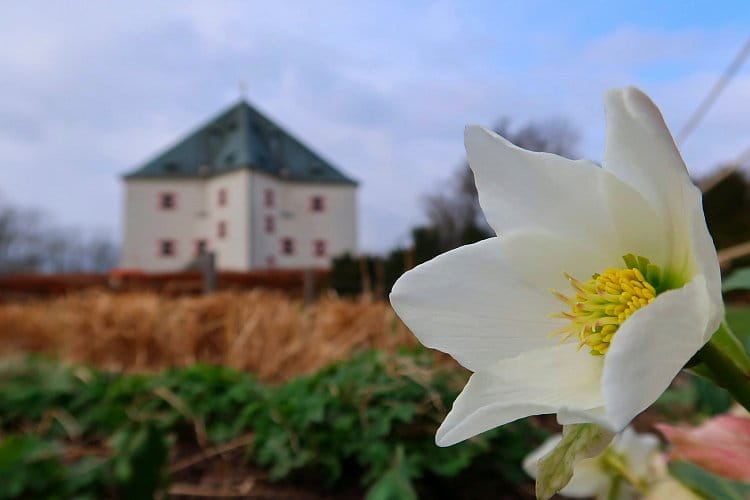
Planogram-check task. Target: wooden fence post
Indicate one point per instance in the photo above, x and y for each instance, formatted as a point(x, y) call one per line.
point(308, 286)
point(208, 271)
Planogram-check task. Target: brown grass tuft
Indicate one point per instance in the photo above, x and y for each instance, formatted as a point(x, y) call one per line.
point(263, 332)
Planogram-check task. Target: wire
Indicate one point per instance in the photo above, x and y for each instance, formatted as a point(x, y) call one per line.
point(716, 90)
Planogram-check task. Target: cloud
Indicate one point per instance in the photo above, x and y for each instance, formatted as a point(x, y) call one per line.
point(381, 89)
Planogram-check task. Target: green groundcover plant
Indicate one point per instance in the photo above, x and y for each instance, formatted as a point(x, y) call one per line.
point(369, 422)
point(72, 432)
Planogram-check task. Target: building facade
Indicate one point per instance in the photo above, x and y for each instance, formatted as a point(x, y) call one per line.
point(241, 187)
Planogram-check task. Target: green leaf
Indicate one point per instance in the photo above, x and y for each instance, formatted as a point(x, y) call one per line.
point(706, 484)
point(395, 484)
point(739, 280)
point(731, 346)
point(140, 461)
point(579, 442)
point(738, 318)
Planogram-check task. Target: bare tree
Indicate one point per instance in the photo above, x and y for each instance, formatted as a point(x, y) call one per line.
point(555, 135)
point(455, 212)
point(19, 239)
point(29, 244)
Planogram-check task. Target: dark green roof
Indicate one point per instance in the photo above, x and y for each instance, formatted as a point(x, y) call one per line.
point(241, 137)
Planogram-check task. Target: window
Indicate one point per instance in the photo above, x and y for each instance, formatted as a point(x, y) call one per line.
point(221, 229)
point(319, 248)
point(167, 248)
point(268, 198)
point(270, 261)
point(287, 246)
point(270, 224)
point(201, 246)
point(167, 201)
point(222, 197)
point(317, 204)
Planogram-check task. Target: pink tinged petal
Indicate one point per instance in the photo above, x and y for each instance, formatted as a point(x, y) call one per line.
point(650, 348)
point(640, 151)
point(720, 445)
point(471, 304)
point(536, 382)
point(542, 192)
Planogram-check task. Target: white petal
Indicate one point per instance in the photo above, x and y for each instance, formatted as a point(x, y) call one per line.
point(519, 189)
point(469, 303)
point(531, 462)
point(638, 448)
point(651, 347)
point(542, 258)
point(670, 488)
point(598, 416)
point(536, 382)
point(640, 151)
point(707, 265)
point(588, 477)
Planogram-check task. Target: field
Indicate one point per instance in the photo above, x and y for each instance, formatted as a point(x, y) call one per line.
point(251, 395)
point(262, 332)
point(236, 394)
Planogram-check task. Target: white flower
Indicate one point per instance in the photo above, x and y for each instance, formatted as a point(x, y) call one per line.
point(621, 471)
point(489, 304)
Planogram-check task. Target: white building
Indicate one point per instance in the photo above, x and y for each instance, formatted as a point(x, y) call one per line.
point(244, 188)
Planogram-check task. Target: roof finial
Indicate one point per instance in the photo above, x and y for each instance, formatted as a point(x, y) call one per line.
point(243, 90)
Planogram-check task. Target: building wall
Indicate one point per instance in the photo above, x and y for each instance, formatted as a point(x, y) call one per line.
point(265, 245)
point(233, 250)
point(247, 243)
point(146, 224)
point(336, 224)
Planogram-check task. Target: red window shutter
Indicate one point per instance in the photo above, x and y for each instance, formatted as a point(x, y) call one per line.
point(201, 246)
point(167, 248)
point(317, 203)
point(167, 200)
point(287, 246)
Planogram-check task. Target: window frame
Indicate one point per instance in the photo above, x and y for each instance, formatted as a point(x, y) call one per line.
point(320, 248)
point(222, 229)
point(269, 198)
point(172, 244)
point(315, 206)
point(287, 246)
point(166, 195)
point(197, 246)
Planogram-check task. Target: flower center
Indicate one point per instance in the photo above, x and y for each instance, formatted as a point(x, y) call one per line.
point(604, 302)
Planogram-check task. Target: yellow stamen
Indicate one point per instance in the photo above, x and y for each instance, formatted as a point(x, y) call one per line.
point(603, 303)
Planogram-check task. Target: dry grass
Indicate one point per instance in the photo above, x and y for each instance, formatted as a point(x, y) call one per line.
point(259, 331)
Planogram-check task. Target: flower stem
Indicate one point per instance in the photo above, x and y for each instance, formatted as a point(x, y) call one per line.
point(728, 364)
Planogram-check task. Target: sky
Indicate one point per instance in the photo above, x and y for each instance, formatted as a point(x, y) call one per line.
point(88, 90)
